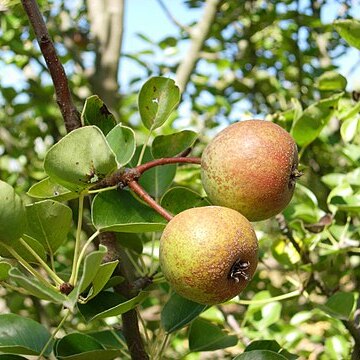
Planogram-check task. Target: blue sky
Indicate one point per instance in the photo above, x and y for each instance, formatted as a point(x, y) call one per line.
point(147, 17)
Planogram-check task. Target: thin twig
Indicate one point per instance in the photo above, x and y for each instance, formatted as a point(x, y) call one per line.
point(166, 161)
point(63, 96)
point(172, 17)
point(134, 186)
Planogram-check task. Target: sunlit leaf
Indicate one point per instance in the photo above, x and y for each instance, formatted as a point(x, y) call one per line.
point(158, 97)
point(349, 29)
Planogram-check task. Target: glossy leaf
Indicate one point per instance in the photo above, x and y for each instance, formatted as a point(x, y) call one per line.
point(21, 335)
point(108, 304)
point(80, 159)
point(173, 144)
point(12, 214)
point(270, 345)
point(78, 346)
point(35, 288)
point(178, 312)
point(95, 112)
point(122, 142)
point(331, 80)
point(349, 30)
point(178, 199)
point(158, 97)
point(101, 278)
point(260, 355)
point(48, 189)
point(313, 119)
point(49, 223)
point(109, 339)
point(120, 211)
point(340, 305)
point(158, 179)
point(205, 336)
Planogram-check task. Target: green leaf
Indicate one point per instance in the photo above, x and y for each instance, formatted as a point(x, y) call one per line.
point(340, 305)
point(331, 80)
point(107, 304)
point(349, 128)
point(313, 119)
point(158, 179)
point(260, 355)
point(158, 97)
point(21, 335)
point(120, 211)
point(4, 270)
point(178, 199)
point(91, 267)
point(271, 345)
point(130, 241)
point(349, 30)
point(178, 312)
point(49, 223)
point(48, 189)
point(78, 346)
point(12, 214)
point(95, 112)
point(354, 111)
point(11, 357)
point(109, 339)
point(270, 314)
point(34, 287)
point(205, 336)
point(122, 141)
point(23, 252)
point(173, 144)
point(101, 278)
point(80, 159)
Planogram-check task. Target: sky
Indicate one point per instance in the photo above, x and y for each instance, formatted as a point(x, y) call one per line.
point(147, 17)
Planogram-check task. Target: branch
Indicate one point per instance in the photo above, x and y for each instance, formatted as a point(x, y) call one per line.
point(134, 186)
point(166, 161)
point(106, 24)
point(63, 96)
point(123, 177)
point(172, 18)
point(199, 34)
point(130, 323)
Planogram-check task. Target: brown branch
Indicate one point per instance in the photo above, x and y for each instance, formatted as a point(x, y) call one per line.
point(166, 161)
point(63, 96)
point(130, 325)
point(122, 177)
point(137, 189)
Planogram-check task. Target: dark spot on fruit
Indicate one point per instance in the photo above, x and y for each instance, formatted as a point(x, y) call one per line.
point(239, 270)
point(77, 163)
point(154, 88)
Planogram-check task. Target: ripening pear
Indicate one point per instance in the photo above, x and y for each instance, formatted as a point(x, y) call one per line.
point(251, 166)
point(208, 254)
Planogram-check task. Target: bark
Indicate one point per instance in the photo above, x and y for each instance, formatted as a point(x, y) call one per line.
point(106, 25)
point(198, 35)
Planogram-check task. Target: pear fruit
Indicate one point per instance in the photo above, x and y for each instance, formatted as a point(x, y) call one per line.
point(208, 254)
point(251, 167)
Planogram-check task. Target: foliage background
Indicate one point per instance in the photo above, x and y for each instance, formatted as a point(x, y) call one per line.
point(237, 60)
